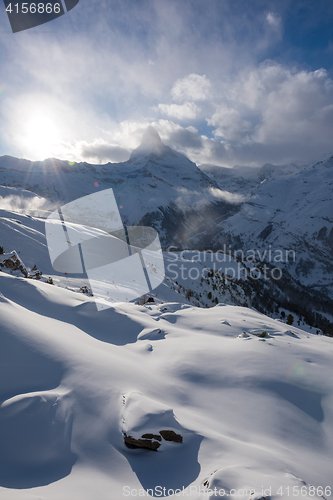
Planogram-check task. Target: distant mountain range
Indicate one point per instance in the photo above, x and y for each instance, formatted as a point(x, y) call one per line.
point(287, 207)
point(282, 215)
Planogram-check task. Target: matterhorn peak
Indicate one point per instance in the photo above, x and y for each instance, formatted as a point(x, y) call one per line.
point(151, 138)
point(151, 144)
point(153, 151)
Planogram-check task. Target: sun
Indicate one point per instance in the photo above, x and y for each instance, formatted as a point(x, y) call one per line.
point(41, 136)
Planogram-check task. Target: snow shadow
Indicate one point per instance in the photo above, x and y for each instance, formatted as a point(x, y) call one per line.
point(23, 369)
point(174, 465)
point(35, 439)
point(107, 326)
point(304, 399)
point(35, 427)
point(170, 317)
point(152, 334)
point(172, 469)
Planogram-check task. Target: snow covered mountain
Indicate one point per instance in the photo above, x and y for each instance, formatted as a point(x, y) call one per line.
point(157, 186)
point(239, 179)
point(242, 179)
point(289, 208)
point(281, 215)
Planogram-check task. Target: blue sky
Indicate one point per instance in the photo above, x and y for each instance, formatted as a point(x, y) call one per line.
point(225, 82)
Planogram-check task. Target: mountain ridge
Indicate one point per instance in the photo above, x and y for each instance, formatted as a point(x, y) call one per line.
point(279, 207)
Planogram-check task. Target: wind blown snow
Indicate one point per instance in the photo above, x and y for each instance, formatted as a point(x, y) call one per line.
point(233, 198)
point(22, 201)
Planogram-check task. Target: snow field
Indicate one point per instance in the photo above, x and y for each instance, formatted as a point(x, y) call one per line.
point(258, 410)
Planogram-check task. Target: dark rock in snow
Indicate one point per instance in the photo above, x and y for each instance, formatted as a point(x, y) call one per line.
point(148, 444)
point(171, 436)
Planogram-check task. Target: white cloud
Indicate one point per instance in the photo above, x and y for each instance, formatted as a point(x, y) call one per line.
point(273, 20)
point(120, 140)
point(269, 113)
point(229, 125)
point(233, 198)
point(23, 203)
point(102, 152)
point(193, 87)
point(290, 108)
point(189, 198)
point(188, 110)
point(276, 114)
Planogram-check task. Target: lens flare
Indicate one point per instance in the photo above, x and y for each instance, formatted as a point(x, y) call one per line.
point(296, 369)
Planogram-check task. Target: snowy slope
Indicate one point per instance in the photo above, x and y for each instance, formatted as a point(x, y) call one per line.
point(254, 413)
point(26, 235)
point(187, 273)
point(238, 179)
